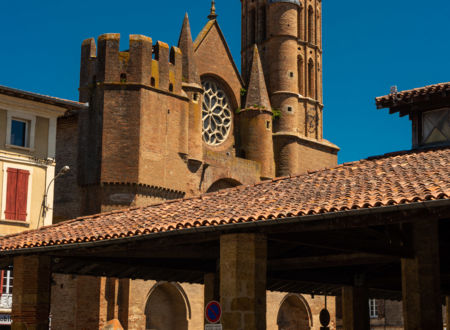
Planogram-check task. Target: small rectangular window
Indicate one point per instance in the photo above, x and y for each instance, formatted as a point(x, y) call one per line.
point(436, 126)
point(6, 281)
point(19, 132)
point(373, 309)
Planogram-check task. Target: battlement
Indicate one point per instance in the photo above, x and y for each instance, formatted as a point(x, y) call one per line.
point(156, 65)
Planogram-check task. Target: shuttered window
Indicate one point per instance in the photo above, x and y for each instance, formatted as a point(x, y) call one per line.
point(16, 194)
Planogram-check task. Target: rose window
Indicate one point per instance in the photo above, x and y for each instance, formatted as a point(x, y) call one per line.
point(216, 113)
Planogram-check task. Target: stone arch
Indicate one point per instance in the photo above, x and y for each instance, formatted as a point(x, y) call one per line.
point(223, 184)
point(294, 313)
point(167, 307)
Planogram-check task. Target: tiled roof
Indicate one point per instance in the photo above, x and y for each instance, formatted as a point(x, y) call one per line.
point(67, 104)
point(391, 99)
point(400, 178)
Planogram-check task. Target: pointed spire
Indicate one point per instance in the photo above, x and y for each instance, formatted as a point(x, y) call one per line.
point(190, 74)
point(257, 95)
point(212, 15)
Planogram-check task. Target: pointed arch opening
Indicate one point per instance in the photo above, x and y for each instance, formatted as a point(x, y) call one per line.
point(252, 28)
point(311, 79)
point(311, 25)
point(262, 24)
point(294, 314)
point(167, 308)
point(301, 23)
point(301, 75)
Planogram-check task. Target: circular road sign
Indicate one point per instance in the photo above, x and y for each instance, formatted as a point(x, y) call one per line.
point(213, 312)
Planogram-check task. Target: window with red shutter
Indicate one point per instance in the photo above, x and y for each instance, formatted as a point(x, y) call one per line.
point(11, 192)
point(16, 194)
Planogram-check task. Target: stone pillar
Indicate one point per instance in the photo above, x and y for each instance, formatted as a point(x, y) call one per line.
point(243, 275)
point(447, 311)
point(31, 294)
point(422, 304)
point(211, 288)
point(355, 308)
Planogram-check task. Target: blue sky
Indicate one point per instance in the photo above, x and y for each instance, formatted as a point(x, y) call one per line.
point(368, 47)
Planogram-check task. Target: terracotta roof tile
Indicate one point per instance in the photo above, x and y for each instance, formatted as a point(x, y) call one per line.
point(391, 99)
point(398, 178)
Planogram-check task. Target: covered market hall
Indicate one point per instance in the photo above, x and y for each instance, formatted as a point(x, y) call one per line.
point(376, 228)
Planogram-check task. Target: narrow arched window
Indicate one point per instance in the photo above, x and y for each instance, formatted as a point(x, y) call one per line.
point(311, 25)
point(301, 75)
point(263, 24)
point(311, 79)
point(123, 77)
point(301, 23)
point(251, 27)
point(153, 82)
point(170, 87)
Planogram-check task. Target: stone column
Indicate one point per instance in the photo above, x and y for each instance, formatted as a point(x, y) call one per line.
point(211, 288)
point(31, 294)
point(355, 308)
point(422, 304)
point(243, 273)
point(447, 311)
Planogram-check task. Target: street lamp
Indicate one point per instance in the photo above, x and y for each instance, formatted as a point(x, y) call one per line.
point(45, 207)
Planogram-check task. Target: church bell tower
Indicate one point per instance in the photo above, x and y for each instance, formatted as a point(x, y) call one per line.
point(288, 34)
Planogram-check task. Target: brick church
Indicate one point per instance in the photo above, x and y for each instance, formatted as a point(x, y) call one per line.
point(173, 122)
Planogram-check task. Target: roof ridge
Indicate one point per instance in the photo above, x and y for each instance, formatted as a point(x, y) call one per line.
point(417, 89)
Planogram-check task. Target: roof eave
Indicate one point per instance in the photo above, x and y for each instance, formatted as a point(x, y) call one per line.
point(252, 225)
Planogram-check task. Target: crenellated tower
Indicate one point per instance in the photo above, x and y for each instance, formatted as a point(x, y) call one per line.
point(288, 35)
point(138, 122)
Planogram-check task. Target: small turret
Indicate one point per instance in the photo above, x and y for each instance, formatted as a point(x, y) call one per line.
point(192, 87)
point(256, 121)
point(186, 46)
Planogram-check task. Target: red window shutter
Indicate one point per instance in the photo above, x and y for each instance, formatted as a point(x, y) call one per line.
point(2, 277)
point(22, 195)
point(11, 193)
point(17, 194)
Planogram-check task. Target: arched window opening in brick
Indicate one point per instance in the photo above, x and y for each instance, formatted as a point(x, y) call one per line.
point(224, 183)
point(123, 77)
point(301, 23)
point(311, 25)
point(153, 81)
point(166, 308)
point(170, 87)
point(252, 27)
point(311, 79)
point(301, 75)
point(294, 313)
point(262, 24)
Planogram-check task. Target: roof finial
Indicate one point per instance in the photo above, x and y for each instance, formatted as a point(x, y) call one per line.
point(213, 14)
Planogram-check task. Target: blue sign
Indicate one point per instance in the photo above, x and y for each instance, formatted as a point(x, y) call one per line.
point(213, 312)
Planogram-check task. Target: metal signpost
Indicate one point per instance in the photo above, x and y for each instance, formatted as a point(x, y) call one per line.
point(213, 313)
